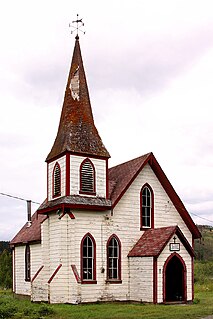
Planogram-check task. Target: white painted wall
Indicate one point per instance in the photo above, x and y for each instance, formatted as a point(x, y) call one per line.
point(50, 167)
point(61, 239)
point(100, 174)
point(21, 286)
point(160, 263)
point(141, 274)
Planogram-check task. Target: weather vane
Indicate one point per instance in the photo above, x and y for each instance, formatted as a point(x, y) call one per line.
point(77, 28)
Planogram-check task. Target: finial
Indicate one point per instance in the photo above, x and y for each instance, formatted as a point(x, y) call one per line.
point(77, 28)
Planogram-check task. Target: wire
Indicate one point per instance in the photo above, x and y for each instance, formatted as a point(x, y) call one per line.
point(211, 221)
point(15, 197)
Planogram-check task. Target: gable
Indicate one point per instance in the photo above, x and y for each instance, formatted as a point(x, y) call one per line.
point(123, 175)
point(153, 241)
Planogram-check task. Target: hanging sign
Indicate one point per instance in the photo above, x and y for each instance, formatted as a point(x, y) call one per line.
point(174, 246)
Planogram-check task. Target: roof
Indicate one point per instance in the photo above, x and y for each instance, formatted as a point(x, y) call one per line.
point(30, 234)
point(153, 241)
point(122, 176)
point(77, 132)
point(76, 202)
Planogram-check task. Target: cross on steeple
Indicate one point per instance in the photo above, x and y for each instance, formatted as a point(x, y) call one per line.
point(77, 27)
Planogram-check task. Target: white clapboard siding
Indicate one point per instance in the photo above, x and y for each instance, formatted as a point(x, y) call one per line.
point(61, 241)
point(100, 175)
point(21, 286)
point(62, 162)
point(160, 264)
point(141, 274)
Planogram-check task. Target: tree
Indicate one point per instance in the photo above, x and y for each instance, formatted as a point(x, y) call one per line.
point(5, 270)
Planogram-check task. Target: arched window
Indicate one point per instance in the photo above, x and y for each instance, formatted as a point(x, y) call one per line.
point(88, 259)
point(27, 263)
point(56, 180)
point(147, 209)
point(87, 177)
point(113, 259)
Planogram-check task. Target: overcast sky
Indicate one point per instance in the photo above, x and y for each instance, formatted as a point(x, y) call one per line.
point(149, 67)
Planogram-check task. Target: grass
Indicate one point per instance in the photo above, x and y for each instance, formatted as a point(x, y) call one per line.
point(11, 307)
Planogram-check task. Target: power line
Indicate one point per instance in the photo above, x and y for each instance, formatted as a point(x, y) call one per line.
point(211, 221)
point(19, 198)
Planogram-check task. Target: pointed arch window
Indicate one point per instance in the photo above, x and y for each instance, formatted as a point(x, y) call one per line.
point(56, 180)
point(147, 207)
point(27, 263)
point(88, 259)
point(87, 177)
point(114, 260)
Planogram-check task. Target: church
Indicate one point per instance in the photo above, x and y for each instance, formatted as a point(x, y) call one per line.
point(102, 234)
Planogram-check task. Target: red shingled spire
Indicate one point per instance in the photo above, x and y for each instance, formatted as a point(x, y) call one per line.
point(77, 132)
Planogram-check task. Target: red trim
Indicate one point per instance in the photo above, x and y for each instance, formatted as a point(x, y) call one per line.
point(113, 281)
point(184, 276)
point(77, 154)
point(155, 278)
point(107, 180)
point(130, 182)
point(27, 262)
point(76, 274)
point(192, 265)
point(48, 182)
point(94, 178)
point(54, 273)
point(174, 197)
point(67, 174)
point(73, 206)
point(71, 215)
point(152, 208)
point(14, 270)
point(53, 180)
point(37, 272)
point(83, 281)
point(169, 190)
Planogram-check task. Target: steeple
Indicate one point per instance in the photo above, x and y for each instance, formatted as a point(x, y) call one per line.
point(77, 132)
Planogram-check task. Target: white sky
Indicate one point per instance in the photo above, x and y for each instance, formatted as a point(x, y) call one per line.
point(149, 67)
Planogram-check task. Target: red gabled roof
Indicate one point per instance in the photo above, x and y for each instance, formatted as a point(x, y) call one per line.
point(30, 234)
point(122, 176)
point(77, 132)
point(153, 241)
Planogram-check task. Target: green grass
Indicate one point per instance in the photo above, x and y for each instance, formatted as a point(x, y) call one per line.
point(10, 307)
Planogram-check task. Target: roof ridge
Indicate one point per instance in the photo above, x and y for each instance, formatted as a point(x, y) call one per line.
point(132, 160)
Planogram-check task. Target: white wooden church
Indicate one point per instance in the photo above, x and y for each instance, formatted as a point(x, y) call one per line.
point(102, 234)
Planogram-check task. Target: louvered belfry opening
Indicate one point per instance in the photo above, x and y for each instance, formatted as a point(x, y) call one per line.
point(87, 181)
point(57, 180)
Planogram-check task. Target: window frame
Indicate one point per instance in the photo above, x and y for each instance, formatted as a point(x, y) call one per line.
point(93, 279)
point(57, 165)
point(27, 263)
point(87, 192)
point(118, 279)
point(151, 209)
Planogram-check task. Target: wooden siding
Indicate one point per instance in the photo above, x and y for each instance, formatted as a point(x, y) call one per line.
point(141, 283)
point(61, 240)
point(21, 286)
point(62, 162)
point(160, 264)
point(100, 174)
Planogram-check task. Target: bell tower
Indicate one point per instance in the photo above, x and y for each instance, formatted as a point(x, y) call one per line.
point(77, 165)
